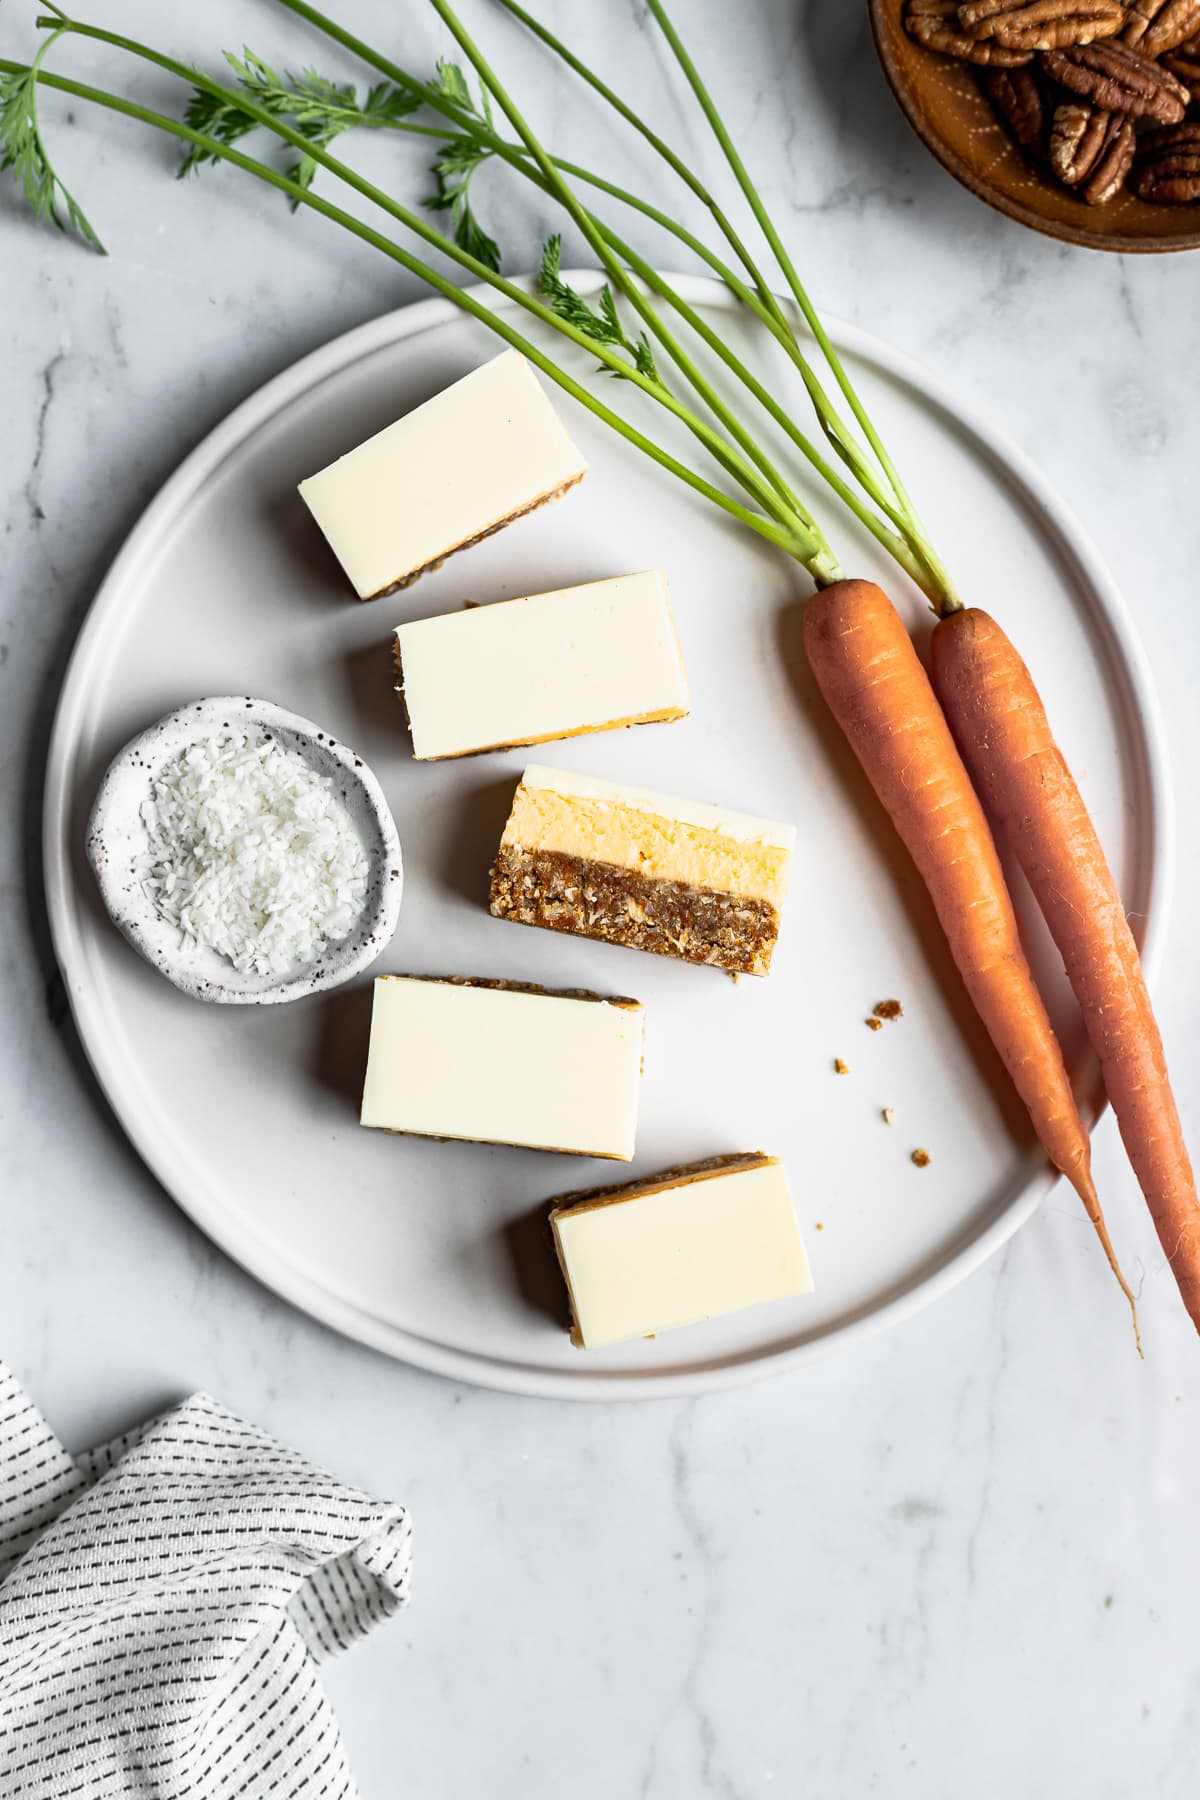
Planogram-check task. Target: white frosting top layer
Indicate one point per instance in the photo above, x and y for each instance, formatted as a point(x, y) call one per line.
point(504, 1066)
point(692, 1250)
point(547, 666)
point(485, 448)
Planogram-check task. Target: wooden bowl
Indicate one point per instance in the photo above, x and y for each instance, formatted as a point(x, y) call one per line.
point(945, 106)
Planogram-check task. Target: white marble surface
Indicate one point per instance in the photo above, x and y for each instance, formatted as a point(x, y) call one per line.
point(961, 1559)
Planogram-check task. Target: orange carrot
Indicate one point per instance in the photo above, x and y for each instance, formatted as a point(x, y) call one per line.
point(1000, 723)
point(867, 669)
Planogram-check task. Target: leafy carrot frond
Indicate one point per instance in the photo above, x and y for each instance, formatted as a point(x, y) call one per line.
point(459, 157)
point(222, 120)
point(23, 151)
point(457, 161)
point(452, 85)
point(602, 322)
point(318, 108)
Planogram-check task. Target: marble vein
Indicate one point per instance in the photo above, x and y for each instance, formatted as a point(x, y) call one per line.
point(46, 384)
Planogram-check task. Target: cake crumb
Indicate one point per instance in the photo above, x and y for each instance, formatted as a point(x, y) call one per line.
point(820, 1224)
point(888, 1009)
point(921, 1158)
point(888, 1115)
point(873, 1024)
point(839, 1067)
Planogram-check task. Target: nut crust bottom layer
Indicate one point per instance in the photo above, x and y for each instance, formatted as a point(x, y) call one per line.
point(621, 906)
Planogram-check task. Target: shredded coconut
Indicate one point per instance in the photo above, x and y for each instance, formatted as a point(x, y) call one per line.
point(252, 854)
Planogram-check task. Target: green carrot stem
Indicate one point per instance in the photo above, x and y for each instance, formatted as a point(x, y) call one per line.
point(760, 299)
point(896, 546)
point(809, 550)
point(811, 316)
point(658, 144)
point(546, 175)
point(518, 157)
point(902, 515)
point(564, 194)
point(727, 458)
point(899, 510)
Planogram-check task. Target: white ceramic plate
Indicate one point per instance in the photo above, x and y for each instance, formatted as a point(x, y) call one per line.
point(435, 1252)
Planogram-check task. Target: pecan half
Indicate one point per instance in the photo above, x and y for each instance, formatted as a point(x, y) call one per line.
point(1159, 25)
point(1017, 99)
point(1079, 135)
point(1184, 64)
point(1091, 150)
point(1167, 171)
point(1041, 24)
point(1111, 168)
point(934, 23)
point(1117, 79)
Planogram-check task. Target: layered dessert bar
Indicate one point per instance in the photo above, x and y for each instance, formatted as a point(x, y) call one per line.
point(476, 456)
point(495, 1063)
point(692, 1244)
point(554, 665)
point(642, 869)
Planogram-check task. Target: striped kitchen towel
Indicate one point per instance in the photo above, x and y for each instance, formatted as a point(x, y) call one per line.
point(165, 1602)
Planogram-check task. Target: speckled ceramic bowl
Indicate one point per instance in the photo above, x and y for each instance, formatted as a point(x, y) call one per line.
point(117, 846)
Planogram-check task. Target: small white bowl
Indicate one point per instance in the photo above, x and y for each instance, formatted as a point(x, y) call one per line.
point(117, 846)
